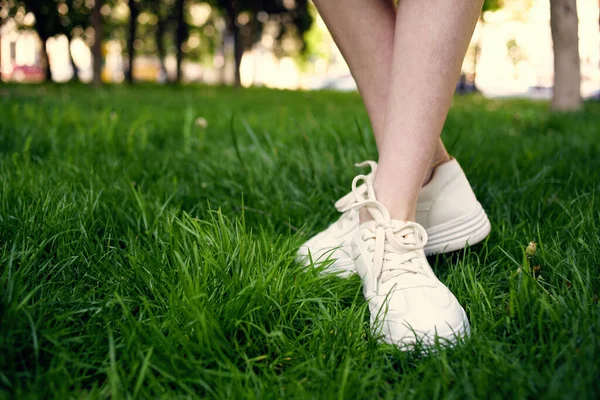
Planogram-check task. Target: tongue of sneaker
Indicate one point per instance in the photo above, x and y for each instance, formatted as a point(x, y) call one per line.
point(409, 238)
point(403, 237)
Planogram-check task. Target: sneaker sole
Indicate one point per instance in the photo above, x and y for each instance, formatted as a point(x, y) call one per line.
point(458, 233)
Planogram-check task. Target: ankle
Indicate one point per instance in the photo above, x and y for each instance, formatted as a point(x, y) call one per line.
point(399, 214)
point(434, 164)
point(428, 176)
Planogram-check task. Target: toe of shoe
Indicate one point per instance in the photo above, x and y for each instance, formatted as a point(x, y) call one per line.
point(320, 252)
point(302, 255)
point(443, 326)
point(308, 251)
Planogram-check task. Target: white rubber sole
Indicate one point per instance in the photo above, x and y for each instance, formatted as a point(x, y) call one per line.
point(459, 233)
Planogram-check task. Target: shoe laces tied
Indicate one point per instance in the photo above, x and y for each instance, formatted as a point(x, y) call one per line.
point(395, 245)
point(342, 205)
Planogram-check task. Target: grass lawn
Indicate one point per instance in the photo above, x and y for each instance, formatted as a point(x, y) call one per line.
point(144, 256)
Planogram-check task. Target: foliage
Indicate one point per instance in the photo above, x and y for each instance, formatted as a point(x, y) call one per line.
point(316, 41)
point(492, 5)
point(160, 27)
point(55, 17)
point(146, 255)
point(292, 18)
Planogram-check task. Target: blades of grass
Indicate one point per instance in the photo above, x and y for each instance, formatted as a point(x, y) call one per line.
point(141, 205)
point(257, 144)
point(112, 373)
point(7, 276)
point(34, 337)
point(308, 155)
point(236, 145)
point(28, 296)
point(142, 373)
point(188, 121)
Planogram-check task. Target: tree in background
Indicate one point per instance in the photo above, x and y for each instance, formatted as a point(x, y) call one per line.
point(232, 10)
point(162, 10)
point(74, 18)
point(53, 17)
point(97, 24)
point(133, 21)
point(56, 17)
point(567, 70)
point(7, 9)
point(181, 34)
point(4, 13)
point(245, 20)
point(46, 25)
point(169, 22)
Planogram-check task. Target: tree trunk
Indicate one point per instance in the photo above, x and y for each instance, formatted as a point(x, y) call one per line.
point(75, 76)
point(238, 46)
point(159, 35)
point(47, 68)
point(133, 16)
point(179, 36)
point(44, 28)
point(238, 51)
point(160, 45)
point(223, 67)
point(97, 47)
point(567, 69)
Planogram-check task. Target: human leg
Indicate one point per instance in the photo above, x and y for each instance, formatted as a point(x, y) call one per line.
point(364, 33)
point(448, 208)
point(408, 304)
point(431, 38)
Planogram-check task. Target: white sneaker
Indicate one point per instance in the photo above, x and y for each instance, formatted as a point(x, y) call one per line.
point(447, 208)
point(408, 304)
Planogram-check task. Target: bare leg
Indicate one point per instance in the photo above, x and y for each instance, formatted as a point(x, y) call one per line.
point(364, 32)
point(408, 105)
point(431, 39)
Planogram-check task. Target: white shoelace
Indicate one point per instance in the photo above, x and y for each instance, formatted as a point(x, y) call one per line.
point(350, 215)
point(395, 245)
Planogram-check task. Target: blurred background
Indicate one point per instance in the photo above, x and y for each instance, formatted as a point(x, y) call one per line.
point(272, 43)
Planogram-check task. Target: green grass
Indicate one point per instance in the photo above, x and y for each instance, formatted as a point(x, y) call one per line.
point(142, 256)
